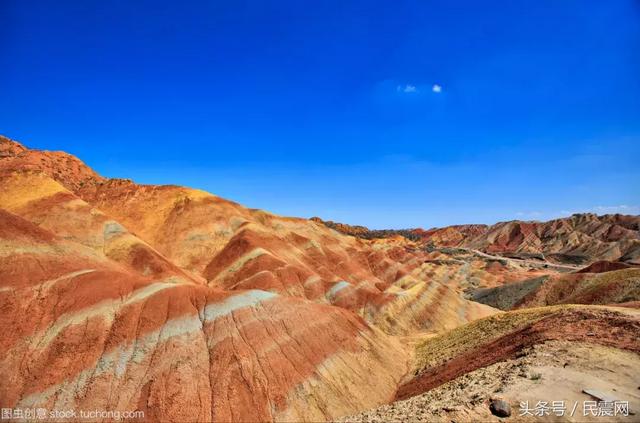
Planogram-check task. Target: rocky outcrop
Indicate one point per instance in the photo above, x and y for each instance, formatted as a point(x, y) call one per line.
point(67, 169)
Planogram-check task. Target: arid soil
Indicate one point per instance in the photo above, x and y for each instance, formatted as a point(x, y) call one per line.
point(615, 286)
point(547, 372)
point(609, 327)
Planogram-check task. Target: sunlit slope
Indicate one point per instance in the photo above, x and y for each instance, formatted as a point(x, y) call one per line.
point(184, 305)
point(521, 357)
point(500, 337)
point(581, 238)
point(619, 286)
point(45, 202)
point(90, 333)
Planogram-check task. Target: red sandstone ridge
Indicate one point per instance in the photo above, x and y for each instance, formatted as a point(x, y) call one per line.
point(94, 335)
point(604, 266)
point(366, 233)
point(579, 239)
point(187, 306)
point(451, 236)
point(63, 167)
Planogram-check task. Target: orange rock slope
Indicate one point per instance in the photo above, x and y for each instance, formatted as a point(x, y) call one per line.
point(186, 306)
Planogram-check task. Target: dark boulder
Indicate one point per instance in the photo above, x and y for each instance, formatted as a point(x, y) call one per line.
point(500, 408)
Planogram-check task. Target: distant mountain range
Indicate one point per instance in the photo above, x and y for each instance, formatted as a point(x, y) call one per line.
point(578, 239)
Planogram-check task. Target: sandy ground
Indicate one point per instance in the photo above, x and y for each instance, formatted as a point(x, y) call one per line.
point(553, 371)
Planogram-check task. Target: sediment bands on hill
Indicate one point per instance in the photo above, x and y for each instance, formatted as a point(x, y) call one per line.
point(190, 307)
point(187, 306)
point(579, 239)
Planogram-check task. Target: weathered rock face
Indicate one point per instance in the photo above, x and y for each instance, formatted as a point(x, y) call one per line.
point(65, 168)
point(604, 266)
point(188, 307)
point(452, 236)
point(581, 238)
point(84, 332)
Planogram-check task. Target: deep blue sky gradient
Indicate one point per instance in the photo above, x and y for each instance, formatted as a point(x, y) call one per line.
point(327, 108)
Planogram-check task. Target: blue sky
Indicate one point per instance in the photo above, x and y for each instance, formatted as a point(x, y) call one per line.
point(386, 114)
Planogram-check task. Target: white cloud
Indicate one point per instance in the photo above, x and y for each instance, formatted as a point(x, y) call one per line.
point(408, 88)
point(436, 88)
